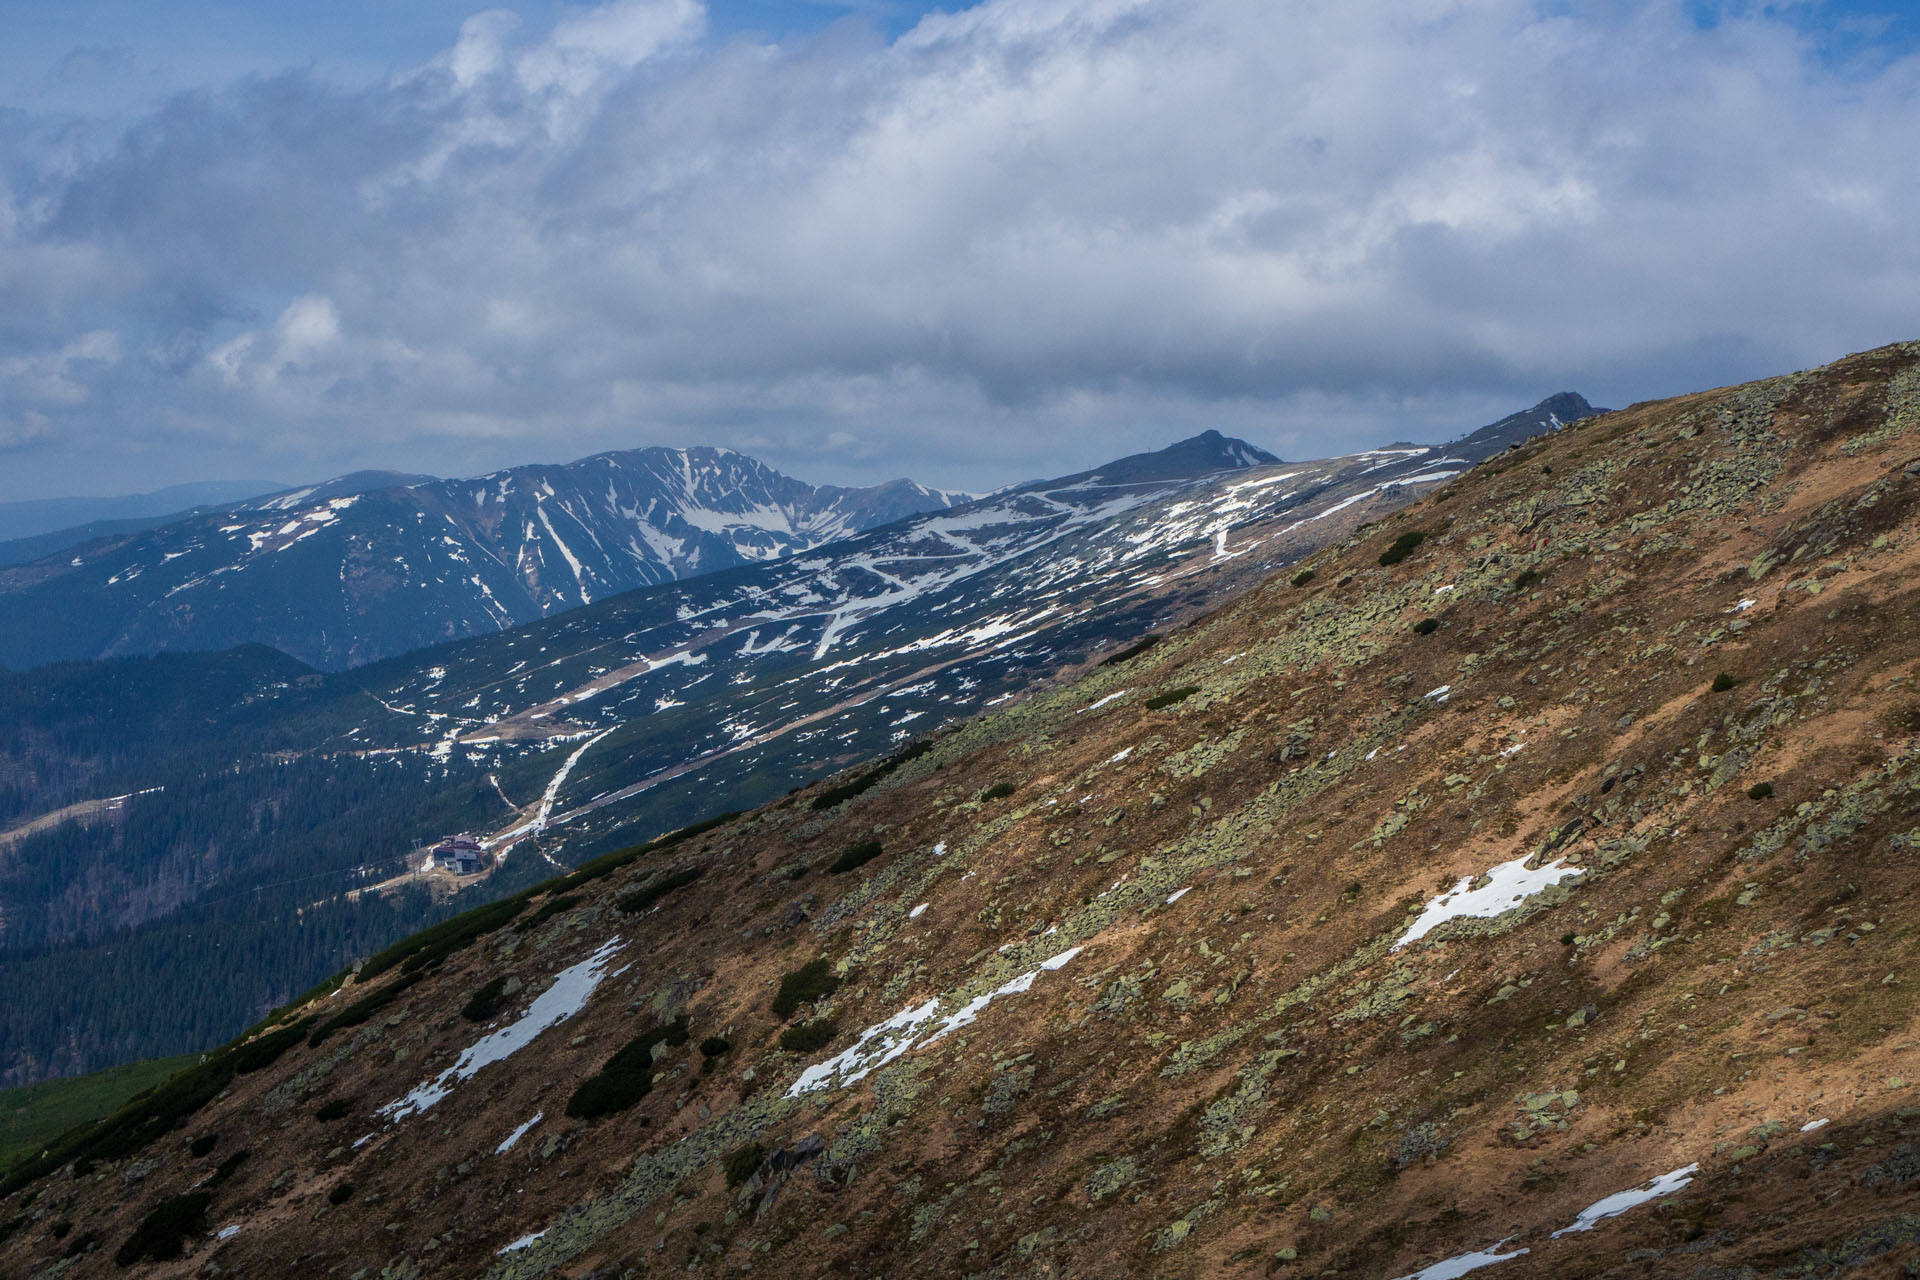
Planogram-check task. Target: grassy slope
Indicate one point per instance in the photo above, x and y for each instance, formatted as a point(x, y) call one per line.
point(33, 1116)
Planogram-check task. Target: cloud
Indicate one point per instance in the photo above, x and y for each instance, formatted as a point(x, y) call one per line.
point(1018, 238)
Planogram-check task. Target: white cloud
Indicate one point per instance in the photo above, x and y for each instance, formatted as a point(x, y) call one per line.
point(1020, 238)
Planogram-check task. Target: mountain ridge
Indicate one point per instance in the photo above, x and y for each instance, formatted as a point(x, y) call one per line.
point(358, 568)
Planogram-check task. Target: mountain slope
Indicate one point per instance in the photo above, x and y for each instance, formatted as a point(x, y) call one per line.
point(1310, 939)
point(365, 566)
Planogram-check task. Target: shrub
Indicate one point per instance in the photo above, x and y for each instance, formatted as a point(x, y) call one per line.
point(229, 1167)
point(332, 1110)
point(1760, 791)
point(854, 855)
point(808, 1036)
point(1403, 546)
point(264, 1051)
point(364, 1008)
point(872, 777)
point(1133, 650)
point(714, 1046)
point(744, 1163)
point(998, 791)
point(1303, 577)
point(548, 910)
point(1161, 701)
point(812, 981)
point(1426, 626)
point(627, 1076)
point(443, 939)
point(1721, 683)
point(485, 1002)
point(160, 1234)
point(202, 1144)
point(340, 1194)
point(642, 898)
point(1525, 578)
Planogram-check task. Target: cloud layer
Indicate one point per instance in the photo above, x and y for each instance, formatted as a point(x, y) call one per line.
point(1018, 238)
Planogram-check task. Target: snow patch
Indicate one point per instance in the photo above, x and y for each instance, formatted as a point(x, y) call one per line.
point(1508, 885)
point(521, 1243)
point(1178, 894)
point(916, 913)
point(566, 997)
point(1466, 1262)
point(885, 1041)
point(1621, 1201)
point(519, 1133)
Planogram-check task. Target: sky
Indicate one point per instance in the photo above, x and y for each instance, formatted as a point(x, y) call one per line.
point(281, 240)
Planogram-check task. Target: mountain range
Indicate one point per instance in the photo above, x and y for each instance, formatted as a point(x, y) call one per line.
point(1522, 878)
point(375, 564)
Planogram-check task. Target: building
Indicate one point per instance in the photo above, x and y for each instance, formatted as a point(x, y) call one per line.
point(461, 855)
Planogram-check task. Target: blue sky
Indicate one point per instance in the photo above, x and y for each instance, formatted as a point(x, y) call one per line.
point(966, 243)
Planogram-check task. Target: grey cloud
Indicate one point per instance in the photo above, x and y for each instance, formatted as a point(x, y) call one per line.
point(1020, 237)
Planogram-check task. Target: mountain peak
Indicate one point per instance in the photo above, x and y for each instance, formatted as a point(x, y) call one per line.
point(1556, 411)
point(1188, 459)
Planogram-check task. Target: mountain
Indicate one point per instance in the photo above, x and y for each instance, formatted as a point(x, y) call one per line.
point(1532, 887)
point(41, 546)
point(48, 515)
point(375, 564)
point(1556, 411)
point(132, 828)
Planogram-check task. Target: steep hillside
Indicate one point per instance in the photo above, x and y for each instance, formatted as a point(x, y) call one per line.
point(1526, 881)
point(375, 564)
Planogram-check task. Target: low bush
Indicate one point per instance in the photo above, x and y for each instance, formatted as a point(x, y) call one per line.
point(714, 1046)
point(548, 910)
point(442, 940)
point(1133, 650)
point(364, 1008)
point(340, 1194)
point(332, 1110)
point(202, 1144)
point(162, 1234)
point(998, 791)
point(1426, 626)
point(645, 896)
point(808, 1036)
point(1760, 791)
point(229, 1167)
point(264, 1051)
point(1722, 683)
point(487, 1001)
point(872, 777)
point(854, 855)
point(1403, 546)
point(812, 981)
point(627, 1076)
point(744, 1163)
point(1525, 578)
point(1303, 577)
point(1161, 701)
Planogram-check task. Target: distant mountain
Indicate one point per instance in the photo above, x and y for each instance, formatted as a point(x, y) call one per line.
point(46, 515)
point(1551, 414)
point(375, 564)
point(26, 550)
